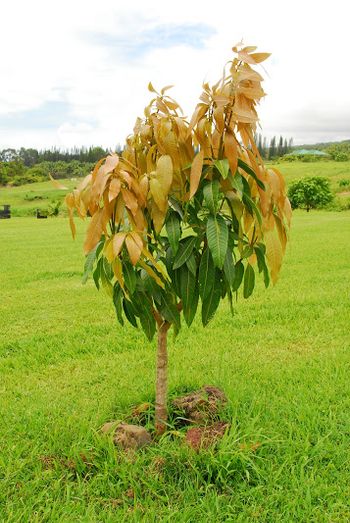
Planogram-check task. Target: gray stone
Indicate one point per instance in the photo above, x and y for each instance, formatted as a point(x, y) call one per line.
point(131, 436)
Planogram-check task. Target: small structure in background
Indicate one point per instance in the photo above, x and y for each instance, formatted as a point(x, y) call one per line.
point(307, 152)
point(5, 213)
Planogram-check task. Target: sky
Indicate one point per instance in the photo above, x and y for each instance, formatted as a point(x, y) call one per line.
point(75, 72)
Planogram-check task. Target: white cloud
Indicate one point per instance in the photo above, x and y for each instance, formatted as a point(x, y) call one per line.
point(49, 52)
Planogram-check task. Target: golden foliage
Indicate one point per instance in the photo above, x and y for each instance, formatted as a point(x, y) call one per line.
point(128, 196)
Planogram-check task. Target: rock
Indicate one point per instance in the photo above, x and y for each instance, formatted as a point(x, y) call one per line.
point(131, 436)
point(201, 405)
point(204, 437)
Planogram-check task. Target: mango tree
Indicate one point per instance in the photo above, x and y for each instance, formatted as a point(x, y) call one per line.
point(187, 214)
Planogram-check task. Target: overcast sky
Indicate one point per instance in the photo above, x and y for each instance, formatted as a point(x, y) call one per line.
point(75, 72)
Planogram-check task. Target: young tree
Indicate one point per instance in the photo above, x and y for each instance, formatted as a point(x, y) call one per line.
point(310, 193)
point(186, 212)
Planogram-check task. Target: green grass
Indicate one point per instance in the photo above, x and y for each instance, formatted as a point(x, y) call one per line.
point(335, 171)
point(66, 367)
point(25, 199)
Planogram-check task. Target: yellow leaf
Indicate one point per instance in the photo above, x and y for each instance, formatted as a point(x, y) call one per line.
point(281, 232)
point(57, 184)
point(158, 217)
point(151, 88)
point(158, 194)
point(144, 186)
point(137, 238)
point(130, 200)
point(162, 91)
point(230, 148)
point(196, 172)
point(133, 248)
point(69, 200)
point(118, 272)
point(273, 253)
point(108, 250)
point(151, 273)
point(117, 243)
point(198, 114)
point(119, 210)
point(156, 264)
point(164, 172)
point(114, 188)
point(259, 57)
point(94, 231)
point(110, 164)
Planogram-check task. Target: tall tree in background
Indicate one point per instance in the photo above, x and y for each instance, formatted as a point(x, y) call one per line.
point(280, 147)
point(187, 213)
point(272, 148)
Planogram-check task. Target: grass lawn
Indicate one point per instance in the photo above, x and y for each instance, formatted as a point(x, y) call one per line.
point(334, 171)
point(66, 367)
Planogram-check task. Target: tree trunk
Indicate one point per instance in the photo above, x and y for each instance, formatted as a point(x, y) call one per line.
point(161, 414)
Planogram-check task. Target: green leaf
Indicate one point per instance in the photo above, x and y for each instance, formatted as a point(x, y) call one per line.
point(251, 173)
point(229, 297)
point(191, 264)
point(239, 271)
point(223, 167)
point(217, 236)
point(173, 230)
point(237, 183)
point(249, 281)
point(211, 195)
point(176, 205)
point(176, 281)
point(107, 268)
point(129, 276)
point(152, 287)
point(97, 273)
point(229, 268)
point(211, 303)
point(262, 266)
point(185, 251)
point(187, 287)
point(117, 300)
point(206, 274)
point(252, 207)
point(105, 277)
point(169, 310)
point(88, 265)
point(128, 309)
point(148, 323)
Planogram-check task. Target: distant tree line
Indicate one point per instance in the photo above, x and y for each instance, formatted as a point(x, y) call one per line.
point(20, 166)
point(30, 157)
point(275, 148)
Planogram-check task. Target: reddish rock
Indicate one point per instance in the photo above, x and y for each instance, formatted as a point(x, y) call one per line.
point(204, 437)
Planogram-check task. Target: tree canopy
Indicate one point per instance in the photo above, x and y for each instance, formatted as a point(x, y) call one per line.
point(188, 209)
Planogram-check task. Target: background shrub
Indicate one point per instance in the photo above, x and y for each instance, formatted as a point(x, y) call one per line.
point(310, 193)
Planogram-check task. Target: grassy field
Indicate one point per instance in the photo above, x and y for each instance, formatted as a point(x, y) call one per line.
point(24, 200)
point(334, 171)
point(66, 367)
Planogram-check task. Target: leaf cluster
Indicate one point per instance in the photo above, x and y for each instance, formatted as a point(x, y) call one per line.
point(187, 213)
